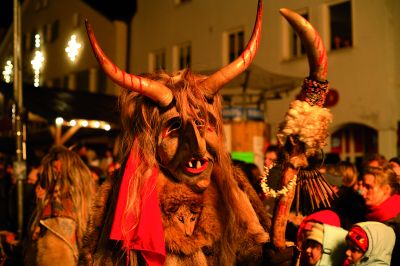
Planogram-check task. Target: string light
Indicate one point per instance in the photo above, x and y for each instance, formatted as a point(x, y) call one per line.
point(97, 124)
point(59, 121)
point(73, 48)
point(37, 41)
point(8, 71)
point(37, 62)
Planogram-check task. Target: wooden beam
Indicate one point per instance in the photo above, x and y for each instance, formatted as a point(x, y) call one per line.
point(71, 131)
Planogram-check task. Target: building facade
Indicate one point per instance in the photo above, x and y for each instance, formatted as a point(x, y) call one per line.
point(364, 58)
point(54, 46)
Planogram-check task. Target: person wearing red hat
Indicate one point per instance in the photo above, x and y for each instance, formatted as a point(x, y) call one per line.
point(369, 243)
point(323, 217)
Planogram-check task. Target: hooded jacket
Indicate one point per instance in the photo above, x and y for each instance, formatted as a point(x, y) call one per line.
point(334, 246)
point(381, 239)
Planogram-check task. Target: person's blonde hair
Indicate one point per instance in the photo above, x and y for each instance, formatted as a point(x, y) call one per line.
point(384, 176)
point(349, 173)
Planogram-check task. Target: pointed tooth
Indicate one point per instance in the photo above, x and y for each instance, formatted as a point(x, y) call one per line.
point(190, 164)
point(198, 165)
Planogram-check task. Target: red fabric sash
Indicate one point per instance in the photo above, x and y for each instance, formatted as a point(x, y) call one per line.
point(387, 210)
point(148, 236)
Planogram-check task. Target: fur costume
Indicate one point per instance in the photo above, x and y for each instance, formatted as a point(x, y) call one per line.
point(177, 200)
point(61, 215)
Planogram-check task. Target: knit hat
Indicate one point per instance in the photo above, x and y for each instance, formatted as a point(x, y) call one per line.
point(316, 233)
point(323, 217)
point(359, 237)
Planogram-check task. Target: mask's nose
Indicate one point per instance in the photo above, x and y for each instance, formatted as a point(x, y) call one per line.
point(194, 137)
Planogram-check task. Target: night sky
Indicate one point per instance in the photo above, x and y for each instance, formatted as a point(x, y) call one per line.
point(116, 9)
point(6, 12)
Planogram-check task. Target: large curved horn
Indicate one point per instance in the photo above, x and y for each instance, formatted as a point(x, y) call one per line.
point(150, 88)
point(313, 44)
point(218, 79)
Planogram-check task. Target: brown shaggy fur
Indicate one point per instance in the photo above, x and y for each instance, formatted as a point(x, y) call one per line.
point(95, 224)
point(257, 204)
point(227, 231)
point(208, 229)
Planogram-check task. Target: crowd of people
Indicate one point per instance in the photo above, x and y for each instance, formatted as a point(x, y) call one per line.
point(362, 225)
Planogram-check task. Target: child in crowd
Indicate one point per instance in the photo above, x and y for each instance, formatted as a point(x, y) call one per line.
point(323, 245)
point(369, 243)
point(322, 216)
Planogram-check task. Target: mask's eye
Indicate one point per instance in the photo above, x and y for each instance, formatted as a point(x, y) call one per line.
point(199, 123)
point(212, 122)
point(172, 126)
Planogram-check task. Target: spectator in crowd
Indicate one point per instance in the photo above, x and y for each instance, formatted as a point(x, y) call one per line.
point(322, 216)
point(253, 173)
point(349, 204)
point(329, 169)
point(369, 243)
point(395, 164)
point(374, 160)
point(30, 190)
point(82, 151)
point(106, 160)
point(380, 192)
point(272, 158)
point(5, 185)
point(62, 212)
point(97, 174)
point(324, 245)
point(271, 154)
point(329, 163)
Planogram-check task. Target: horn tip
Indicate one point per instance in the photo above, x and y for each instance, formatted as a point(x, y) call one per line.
point(88, 25)
point(284, 11)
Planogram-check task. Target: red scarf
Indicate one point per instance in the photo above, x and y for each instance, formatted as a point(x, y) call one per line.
point(148, 236)
point(387, 210)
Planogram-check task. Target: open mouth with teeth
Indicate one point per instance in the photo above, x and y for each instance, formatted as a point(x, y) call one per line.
point(195, 166)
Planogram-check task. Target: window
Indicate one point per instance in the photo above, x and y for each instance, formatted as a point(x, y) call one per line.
point(101, 81)
point(55, 26)
point(182, 55)
point(157, 60)
point(26, 42)
point(49, 83)
point(296, 47)
point(51, 31)
point(32, 41)
point(57, 83)
point(185, 56)
point(180, 2)
point(82, 80)
point(66, 82)
point(47, 33)
point(235, 44)
point(41, 4)
point(341, 25)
